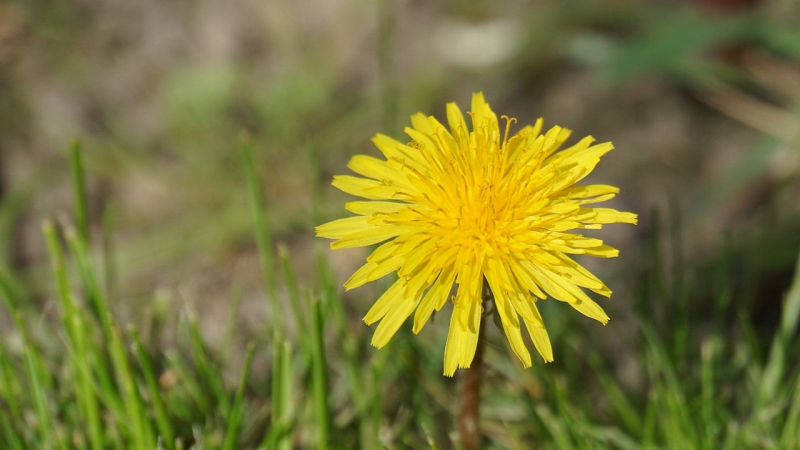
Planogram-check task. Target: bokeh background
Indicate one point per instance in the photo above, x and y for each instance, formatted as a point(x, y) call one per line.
point(701, 99)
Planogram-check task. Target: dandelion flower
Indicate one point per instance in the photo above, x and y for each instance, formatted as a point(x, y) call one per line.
point(457, 207)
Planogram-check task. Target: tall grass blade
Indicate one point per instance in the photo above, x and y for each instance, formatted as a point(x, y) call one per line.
point(50, 437)
point(776, 364)
point(166, 432)
point(139, 426)
point(205, 370)
point(83, 361)
point(237, 409)
point(263, 234)
point(109, 253)
point(630, 417)
point(320, 378)
point(286, 392)
point(555, 427)
point(79, 191)
point(60, 274)
point(291, 287)
point(279, 405)
point(10, 392)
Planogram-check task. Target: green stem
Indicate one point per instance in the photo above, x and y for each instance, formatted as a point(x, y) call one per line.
point(469, 410)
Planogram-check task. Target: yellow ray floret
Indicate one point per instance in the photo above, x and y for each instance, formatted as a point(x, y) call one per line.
point(468, 202)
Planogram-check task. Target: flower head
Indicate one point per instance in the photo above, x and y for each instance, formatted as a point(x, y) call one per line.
point(457, 207)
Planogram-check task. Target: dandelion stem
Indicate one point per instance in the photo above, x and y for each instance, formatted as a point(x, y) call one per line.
point(469, 411)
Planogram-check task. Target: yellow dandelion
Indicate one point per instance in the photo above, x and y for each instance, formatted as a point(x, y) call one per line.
point(458, 207)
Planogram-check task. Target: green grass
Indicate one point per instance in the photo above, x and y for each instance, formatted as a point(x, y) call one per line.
point(85, 381)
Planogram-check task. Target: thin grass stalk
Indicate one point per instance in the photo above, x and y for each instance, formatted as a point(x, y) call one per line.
point(162, 418)
point(678, 284)
point(263, 234)
point(709, 350)
point(669, 391)
point(84, 362)
point(776, 364)
point(102, 312)
point(231, 319)
point(79, 191)
point(320, 378)
point(45, 415)
point(237, 408)
point(291, 287)
point(11, 436)
point(281, 396)
point(555, 427)
point(189, 384)
point(7, 295)
point(109, 253)
point(97, 300)
point(140, 432)
point(60, 274)
point(88, 353)
point(369, 413)
point(286, 393)
point(789, 322)
point(79, 360)
point(11, 393)
point(626, 411)
point(790, 438)
point(205, 369)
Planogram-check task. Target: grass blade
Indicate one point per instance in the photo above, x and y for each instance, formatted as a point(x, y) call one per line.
point(162, 418)
point(291, 287)
point(45, 415)
point(319, 378)
point(282, 396)
point(237, 409)
point(79, 191)
point(140, 430)
point(776, 363)
point(263, 233)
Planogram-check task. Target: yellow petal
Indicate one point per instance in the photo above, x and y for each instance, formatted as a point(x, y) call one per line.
point(456, 122)
point(561, 289)
point(397, 151)
point(421, 123)
point(592, 190)
point(555, 138)
point(392, 321)
point(509, 319)
point(540, 338)
point(435, 298)
point(342, 227)
point(602, 252)
point(380, 170)
point(484, 120)
point(362, 187)
point(385, 302)
point(370, 208)
point(372, 271)
point(461, 341)
point(372, 235)
point(525, 279)
point(578, 165)
point(606, 215)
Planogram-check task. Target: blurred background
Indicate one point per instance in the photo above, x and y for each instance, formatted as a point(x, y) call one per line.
point(701, 99)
